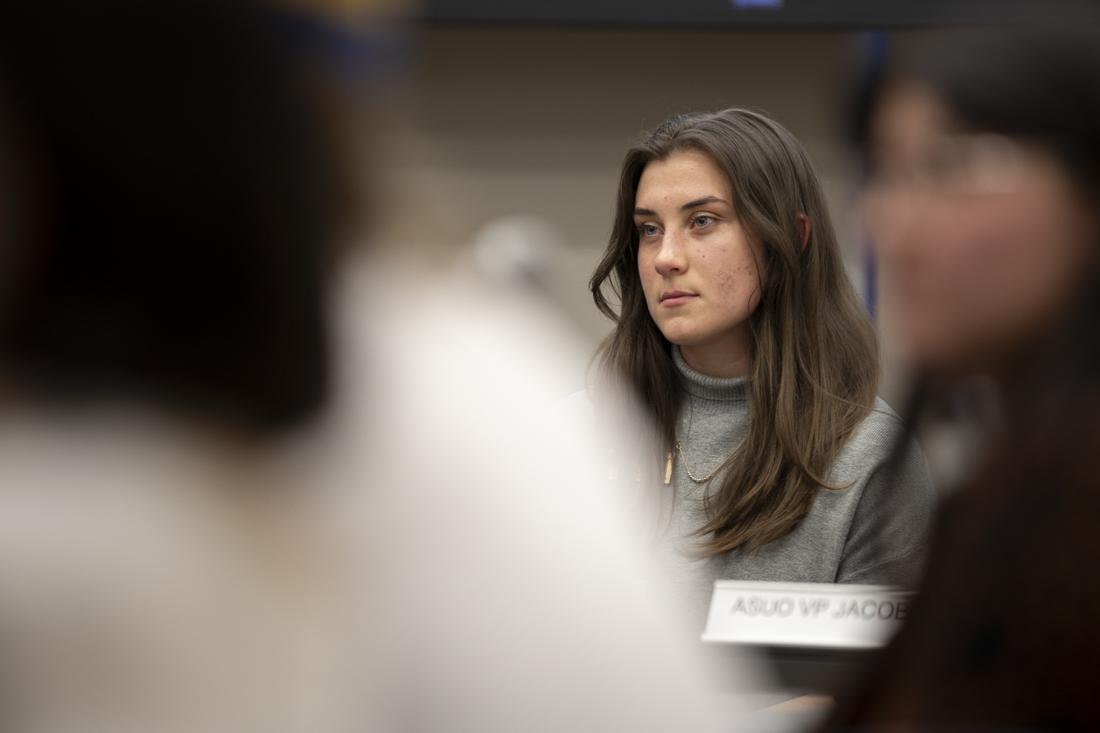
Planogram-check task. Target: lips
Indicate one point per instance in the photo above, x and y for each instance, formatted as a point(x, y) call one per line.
point(676, 297)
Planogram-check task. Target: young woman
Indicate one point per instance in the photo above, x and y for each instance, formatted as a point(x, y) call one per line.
point(746, 345)
point(983, 201)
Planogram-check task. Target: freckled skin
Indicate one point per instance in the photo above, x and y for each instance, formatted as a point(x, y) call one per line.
point(703, 250)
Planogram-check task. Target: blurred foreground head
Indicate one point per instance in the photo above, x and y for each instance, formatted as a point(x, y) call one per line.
point(167, 219)
point(984, 150)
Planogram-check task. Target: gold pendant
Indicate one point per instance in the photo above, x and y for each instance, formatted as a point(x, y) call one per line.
point(668, 469)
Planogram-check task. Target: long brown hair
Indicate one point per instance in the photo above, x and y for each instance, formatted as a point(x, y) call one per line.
point(815, 363)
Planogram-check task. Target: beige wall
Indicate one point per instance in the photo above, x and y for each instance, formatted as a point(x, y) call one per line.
point(492, 122)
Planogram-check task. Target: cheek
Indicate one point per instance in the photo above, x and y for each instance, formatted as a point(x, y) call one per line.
point(954, 256)
point(737, 281)
point(646, 274)
point(1017, 255)
point(965, 254)
point(932, 268)
point(989, 279)
point(1044, 258)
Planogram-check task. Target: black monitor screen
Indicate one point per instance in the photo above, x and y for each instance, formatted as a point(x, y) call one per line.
point(758, 13)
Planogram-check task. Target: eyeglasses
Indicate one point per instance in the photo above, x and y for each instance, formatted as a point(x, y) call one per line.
point(959, 164)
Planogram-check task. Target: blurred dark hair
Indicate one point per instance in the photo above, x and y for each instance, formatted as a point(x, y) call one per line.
point(1038, 82)
point(171, 242)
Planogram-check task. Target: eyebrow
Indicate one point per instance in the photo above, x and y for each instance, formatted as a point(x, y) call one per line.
point(693, 204)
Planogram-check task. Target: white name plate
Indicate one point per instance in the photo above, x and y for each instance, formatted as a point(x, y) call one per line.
point(805, 614)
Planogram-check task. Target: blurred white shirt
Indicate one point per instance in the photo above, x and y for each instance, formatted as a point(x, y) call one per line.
point(438, 554)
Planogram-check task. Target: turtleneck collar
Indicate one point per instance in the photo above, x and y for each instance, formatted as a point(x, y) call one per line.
point(697, 384)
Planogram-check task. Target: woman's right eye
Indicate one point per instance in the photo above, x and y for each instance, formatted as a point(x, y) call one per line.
point(648, 230)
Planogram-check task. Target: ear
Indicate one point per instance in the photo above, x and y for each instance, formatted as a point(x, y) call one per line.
point(804, 225)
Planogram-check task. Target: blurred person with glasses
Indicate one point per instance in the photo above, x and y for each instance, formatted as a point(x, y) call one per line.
point(983, 198)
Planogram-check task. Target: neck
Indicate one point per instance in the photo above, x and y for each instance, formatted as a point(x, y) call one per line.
point(718, 360)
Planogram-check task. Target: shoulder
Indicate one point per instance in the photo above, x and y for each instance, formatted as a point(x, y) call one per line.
point(873, 440)
point(875, 453)
point(896, 500)
point(882, 424)
point(884, 458)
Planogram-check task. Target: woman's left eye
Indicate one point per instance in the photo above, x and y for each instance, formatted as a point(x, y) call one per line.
point(703, 220)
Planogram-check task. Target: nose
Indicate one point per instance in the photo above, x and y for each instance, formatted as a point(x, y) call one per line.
point(671, 258)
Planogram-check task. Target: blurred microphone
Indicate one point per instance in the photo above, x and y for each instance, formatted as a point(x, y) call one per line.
point(520, 251)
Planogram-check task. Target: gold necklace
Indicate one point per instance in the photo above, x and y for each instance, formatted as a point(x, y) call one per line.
point(687, 468)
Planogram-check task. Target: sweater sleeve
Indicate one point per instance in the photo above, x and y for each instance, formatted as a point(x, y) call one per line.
point(888, 535)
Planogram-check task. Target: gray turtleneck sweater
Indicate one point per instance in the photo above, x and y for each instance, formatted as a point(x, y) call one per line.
point(873, 531)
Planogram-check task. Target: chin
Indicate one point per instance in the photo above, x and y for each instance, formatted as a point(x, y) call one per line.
point(678, 338)
point(942, 357)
